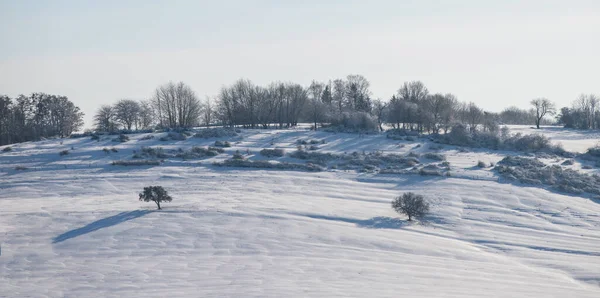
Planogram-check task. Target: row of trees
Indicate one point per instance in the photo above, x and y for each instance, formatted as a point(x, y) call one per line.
point(584, 113)
point(39, 115)
point(346, 102)
point(173, 105)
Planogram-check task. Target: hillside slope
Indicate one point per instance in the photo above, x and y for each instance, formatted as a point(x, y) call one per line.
point(72, 226)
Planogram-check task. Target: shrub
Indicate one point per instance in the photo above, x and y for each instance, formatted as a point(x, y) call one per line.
point(216, 133)
point(122, 138)
point(114, 150)
point(568, 162)
point(445, 164)
point(481, 164)
point(594, 151)
point(353, 122)
point(175, 136)
point(218, 150)
point(147, 137)
point(143, 162)
point(238, 156)
point(411, 205)
point(7, 149)
point(21, 168)
point(265, 164)
point(156, 194)
point(413, 154)
point(63, 153)
point(106, 150)
point(163, 139)
point(431, 170)
point(222, 144)
point(95, 137)
point(533, 171)
point(272, 152)
point(313, 148)
point(434, 156)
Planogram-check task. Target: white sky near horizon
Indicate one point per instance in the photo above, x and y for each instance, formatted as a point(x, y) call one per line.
point(493, 53)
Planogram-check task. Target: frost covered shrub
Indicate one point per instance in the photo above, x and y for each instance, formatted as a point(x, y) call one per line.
point(199, 152)
point(176, 136)
point(458, 135)
point(114, 150)
point(121, 138)
point(106, 150)
point(400, 134)
point(157, 152)
point(310, 142)
point(63, 153)
point(21, 168)
point(533, 171)
point(594, 151)
point(264, 164)
point(222, 144)
point(217, 133)
point(411, 205)
point(218, 150)
point(95, 137)
point(272, 152)
point(148, 137)
point(568, 162)
point(143, 162)
point(373, 161)
point(533, 142)
point(353, 122)
point(238, 156)
point(7, 149)
point(436, 147)
point(431, 170)
point(434, 156)
point(413, 154)
point(481, 164)
point(315, 157)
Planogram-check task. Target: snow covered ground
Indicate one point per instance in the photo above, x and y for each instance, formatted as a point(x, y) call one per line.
point(72, 226)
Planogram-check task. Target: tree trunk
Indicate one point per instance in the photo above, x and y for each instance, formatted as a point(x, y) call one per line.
point(158, 204)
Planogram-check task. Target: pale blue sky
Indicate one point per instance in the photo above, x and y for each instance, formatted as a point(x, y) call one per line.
point(494, 53)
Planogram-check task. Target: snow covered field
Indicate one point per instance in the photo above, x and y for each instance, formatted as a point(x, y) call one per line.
point(72, 226)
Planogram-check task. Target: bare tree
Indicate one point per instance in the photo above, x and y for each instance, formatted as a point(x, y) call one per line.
point(177, 105)
point(379, 109)
point(146, 114)
point(104, 119)
point(316, 108)
point(127, 112)
point(542, 107)
point(208, 112)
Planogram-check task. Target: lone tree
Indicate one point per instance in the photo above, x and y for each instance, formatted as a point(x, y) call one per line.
point(411, 204)
point(155, 194)
point(541, 107)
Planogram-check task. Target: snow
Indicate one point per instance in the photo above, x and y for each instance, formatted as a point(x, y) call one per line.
point(72, 226)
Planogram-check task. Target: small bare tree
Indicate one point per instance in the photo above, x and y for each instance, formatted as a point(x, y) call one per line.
point(155, 194)
point(541, 108)
point(410, 204)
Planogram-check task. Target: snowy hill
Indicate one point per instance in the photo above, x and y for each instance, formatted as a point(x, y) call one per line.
point(72, 225)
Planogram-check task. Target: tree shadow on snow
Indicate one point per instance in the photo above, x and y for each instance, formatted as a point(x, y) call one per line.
point(379, 222)
point(100, 224)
